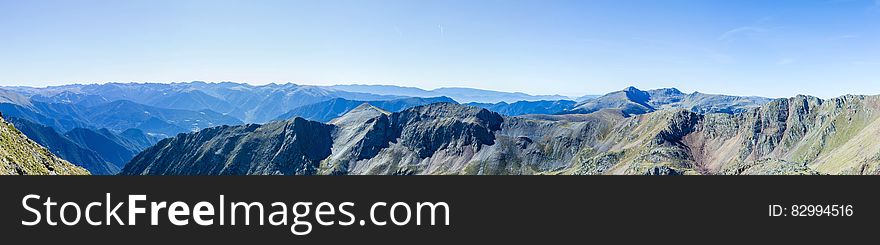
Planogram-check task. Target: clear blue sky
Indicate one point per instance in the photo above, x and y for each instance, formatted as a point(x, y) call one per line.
point(773, 48)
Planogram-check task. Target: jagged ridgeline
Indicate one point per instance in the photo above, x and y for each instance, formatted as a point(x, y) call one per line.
point(22, 156)
point(800, 135)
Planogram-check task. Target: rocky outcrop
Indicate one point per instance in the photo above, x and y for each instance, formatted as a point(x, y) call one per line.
point(22, 156)
point(803, 134)
point(432, 139)
point(359, 134)
point(430, 128)
point(289, 147)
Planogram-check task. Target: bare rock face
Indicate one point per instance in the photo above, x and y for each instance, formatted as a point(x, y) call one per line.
point(440, 138)
point(681, 124)
point(22, 156)
point(430, 128)
point(359, 134)
point(288, 147)
point(800, 135)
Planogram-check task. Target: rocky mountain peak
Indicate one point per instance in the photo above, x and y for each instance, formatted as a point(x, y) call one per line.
point(667, 92)
point(359, 114)
point(442, 125)
point(441, 111)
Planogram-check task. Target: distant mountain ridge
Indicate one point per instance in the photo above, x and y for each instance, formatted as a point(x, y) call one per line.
point(328, 110)
point(633, 101)
point(462, 95)
point(118, 115)
point(528, 107)
point(799, 135)
point(246, 102)
point(105, 125)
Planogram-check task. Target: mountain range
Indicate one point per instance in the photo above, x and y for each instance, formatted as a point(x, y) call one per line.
point(247, 103)
point(230, 128)
point(528, 107)
point(633, 101)
point(101, 126)
point(462, 95)
point(333, 108)
point(799, 135)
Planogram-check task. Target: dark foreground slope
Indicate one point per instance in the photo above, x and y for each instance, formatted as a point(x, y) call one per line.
point(801, 135)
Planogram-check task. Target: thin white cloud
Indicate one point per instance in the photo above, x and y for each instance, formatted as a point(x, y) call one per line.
point(739, 31)
point(442, 31)
point(843, 37)
point(399, 32)
point(866, 63)
point(785, 61)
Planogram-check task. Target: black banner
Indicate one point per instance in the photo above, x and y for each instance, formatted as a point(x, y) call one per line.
point(495, 209)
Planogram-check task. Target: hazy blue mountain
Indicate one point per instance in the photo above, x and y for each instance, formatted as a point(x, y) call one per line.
point(587, 97)
point(463, 95)
point(488, 96)
point(385, 89)
point(61, 117)
point(245, 102)
point(121, 115)
point(104, 143)
point(632, 101)
point(528, 107)
point(118, 116)
point(328, 110)
point(134, 139)
point(191, 100)
point(65, 148)
point(68, 97)
point(15, 98)
point(250, 103)
point(138, 139)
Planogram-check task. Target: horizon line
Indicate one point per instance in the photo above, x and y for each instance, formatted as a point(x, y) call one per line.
point(409, 86)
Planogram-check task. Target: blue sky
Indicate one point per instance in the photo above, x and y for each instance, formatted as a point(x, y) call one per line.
point(774, 48)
